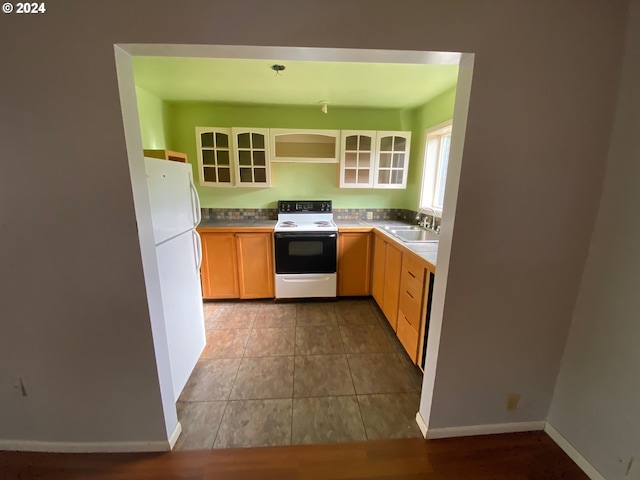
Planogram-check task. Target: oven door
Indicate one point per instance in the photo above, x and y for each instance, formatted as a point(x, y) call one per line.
point(305, 252)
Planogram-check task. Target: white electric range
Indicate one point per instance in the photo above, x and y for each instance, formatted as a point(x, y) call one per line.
point(305, 241)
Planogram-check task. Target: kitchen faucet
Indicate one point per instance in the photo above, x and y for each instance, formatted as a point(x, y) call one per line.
point(425, 222)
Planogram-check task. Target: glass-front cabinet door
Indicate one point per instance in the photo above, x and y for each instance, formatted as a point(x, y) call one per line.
point(392, 159)
point(357, 158)
point(251, 154)
point(233, 157)
point(214, 156)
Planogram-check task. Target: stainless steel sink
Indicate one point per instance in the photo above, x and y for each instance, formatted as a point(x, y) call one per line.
point(403, 227)
point(413, 234)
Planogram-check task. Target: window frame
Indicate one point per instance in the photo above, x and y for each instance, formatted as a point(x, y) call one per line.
point(431, 164)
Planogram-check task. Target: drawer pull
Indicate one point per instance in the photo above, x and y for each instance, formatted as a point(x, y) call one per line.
point(411, 274)
point(409, 293)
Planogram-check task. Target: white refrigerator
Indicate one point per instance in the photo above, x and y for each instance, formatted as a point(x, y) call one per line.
point(175, 212)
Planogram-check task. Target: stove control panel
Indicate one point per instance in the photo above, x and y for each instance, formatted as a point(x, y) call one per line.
point(305, 206)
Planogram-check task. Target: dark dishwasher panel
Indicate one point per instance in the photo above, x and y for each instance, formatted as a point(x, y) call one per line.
point(427, 320)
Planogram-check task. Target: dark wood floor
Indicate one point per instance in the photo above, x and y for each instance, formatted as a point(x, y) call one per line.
point(518, 456)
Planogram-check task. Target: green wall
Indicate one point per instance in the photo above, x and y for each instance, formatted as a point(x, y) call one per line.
point(152, 120)
point(296, 180)
point(434, 112)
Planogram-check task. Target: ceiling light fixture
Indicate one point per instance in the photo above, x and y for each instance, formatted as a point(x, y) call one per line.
point(277, 68)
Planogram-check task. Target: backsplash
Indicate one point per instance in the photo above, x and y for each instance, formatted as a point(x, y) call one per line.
point(338, 214)
point(376, 214)
point(240, 213)
point(409, 216)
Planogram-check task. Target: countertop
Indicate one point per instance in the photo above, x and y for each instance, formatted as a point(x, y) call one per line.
point(228, 226)
point(368, 223)
point(236, 223)
point(426, 251)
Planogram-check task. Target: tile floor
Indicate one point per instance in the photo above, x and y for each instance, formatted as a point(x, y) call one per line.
point(298, 373)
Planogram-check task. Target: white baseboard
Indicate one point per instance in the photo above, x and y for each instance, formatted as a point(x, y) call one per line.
point(471, 430)
point(421, 425)
point(92, 447)
point(573, 454)
point(83, 447)
point(175, 435)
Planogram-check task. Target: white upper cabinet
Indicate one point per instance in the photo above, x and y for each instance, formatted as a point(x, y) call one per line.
point(311, 146)
point(357, 158)
point(392, 159)
point(370, 159)
point(229, 157)
point(242, 157)
point(251, 147)
point(215, 156)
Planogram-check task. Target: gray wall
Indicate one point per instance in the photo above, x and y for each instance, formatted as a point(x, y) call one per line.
point(74, 316)
point(596, 405)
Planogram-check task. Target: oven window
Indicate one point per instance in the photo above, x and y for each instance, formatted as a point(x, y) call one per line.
point(305, 248)
point(305, 253)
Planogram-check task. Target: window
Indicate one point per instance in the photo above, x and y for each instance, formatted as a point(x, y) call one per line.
point(436, 162)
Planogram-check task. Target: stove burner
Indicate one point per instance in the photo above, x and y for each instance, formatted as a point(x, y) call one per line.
point(305, 217)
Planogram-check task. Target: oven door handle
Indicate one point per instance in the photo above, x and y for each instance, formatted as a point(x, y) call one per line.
point(319, 278)
point(305, 235)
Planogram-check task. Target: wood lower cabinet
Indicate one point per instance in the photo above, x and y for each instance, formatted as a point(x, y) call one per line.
point(387, 265)
point(379, 265)
point(402, 283)
point(255, 265)
point(392, 284)
point(237, 265)
point(354, 263)
point(410, 305)
point(219, 270)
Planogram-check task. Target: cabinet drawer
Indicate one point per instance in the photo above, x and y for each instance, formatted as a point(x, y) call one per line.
point(411, 284)
point(414, 267)
point(408, 336)
point(411, 307)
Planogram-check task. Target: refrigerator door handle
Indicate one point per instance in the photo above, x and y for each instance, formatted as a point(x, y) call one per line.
point(198, 248)
point(195, 204)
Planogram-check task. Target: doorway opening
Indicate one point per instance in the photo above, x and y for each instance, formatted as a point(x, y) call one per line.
point(158, 138)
